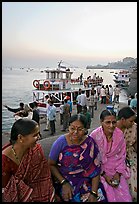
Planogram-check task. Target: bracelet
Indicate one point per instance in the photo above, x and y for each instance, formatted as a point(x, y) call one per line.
point(64, 181)
point(94, 194)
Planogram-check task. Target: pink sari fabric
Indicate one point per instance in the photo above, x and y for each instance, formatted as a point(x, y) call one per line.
point(113, 160)
point(32, 181)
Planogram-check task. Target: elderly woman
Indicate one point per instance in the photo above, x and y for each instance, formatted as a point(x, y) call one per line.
point(74, 163)
point(125, 122)
point(112, 147)
point(25, 172)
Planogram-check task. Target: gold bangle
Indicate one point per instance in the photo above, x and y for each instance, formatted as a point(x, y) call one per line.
point(62, 181)
point(94, 194)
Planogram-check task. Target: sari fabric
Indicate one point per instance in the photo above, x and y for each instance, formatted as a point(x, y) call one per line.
point(79, 164)
point(32, 180)
point(131, 140)
point(113, 160)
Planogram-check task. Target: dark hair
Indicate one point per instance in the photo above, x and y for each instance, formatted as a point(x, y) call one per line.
point(125, 112)
point(79, 117)
point(22, 126)
point(65, 100)
point(106, 113)
point(21, 104)
point(33, 104)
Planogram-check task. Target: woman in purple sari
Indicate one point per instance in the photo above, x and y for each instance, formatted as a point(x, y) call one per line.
point(112, 147)
point(74, 161)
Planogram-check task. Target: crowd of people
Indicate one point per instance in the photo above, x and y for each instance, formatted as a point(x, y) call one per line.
point(97, 167)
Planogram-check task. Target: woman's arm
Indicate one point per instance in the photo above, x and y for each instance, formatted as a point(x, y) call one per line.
point(66, 187)
point(93, 194)
point(54, 170)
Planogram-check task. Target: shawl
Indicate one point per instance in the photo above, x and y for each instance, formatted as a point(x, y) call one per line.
point(32, 181)
point(113, 161)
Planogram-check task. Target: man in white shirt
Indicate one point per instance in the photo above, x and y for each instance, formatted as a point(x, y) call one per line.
point(116, 94)
point(83, 99)
point(103, 95)
point(52, 116)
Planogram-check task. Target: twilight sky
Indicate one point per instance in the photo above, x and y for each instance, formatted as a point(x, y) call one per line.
point(40, 34)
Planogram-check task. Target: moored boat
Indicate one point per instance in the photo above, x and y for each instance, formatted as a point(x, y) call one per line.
point(58, 84)
point(122, 78)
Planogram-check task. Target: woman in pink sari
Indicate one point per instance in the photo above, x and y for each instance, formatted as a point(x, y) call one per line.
point(25, 172)
point(112, 147)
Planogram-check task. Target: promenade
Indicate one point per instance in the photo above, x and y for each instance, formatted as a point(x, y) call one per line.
point(47, 140)
point(94, 123)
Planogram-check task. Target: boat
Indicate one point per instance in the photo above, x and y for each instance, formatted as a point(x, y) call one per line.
point(59, 83)
point(122, 78)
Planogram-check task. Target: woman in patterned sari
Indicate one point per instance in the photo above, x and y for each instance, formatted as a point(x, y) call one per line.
point(126, 118)
point(75, 164)
point(112, 147)
point(25, 173)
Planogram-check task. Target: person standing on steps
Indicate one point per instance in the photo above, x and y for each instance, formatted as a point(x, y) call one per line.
point(52, 117)
point(66, 115)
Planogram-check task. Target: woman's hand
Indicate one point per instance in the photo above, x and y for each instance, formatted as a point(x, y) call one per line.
point(108, 179)
point(92, 198)
point(67, 192)
point(116, 179)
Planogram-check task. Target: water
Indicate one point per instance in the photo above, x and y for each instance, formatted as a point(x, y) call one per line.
point(17, 87)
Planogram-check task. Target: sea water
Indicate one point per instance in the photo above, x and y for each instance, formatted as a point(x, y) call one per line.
point(17, 86)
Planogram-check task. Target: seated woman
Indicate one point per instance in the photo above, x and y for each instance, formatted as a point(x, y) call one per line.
point(126, 118)
point(112, 147)
point(75, 164)
point(26, 175)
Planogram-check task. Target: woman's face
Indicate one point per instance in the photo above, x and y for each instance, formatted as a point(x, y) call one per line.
point(31, 139)
point(109, 124)
point(76, 130)
point(129, 121)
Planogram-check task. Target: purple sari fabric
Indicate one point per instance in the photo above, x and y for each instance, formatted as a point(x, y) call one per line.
point(113, 160)
point(79, 164)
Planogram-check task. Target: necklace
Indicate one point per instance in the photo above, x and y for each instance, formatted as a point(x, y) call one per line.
point(15, 154)
point(71, 140)
point(74, 143)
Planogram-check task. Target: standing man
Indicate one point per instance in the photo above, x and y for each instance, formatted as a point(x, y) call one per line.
point(78, 99)
point(52, 116)
point(36, 115)
point(116, 94)
point(91, 104)
point(66, 115)
point(110, 92)
point(103, 94)
point(83, 99)
point(47, 98)
point(70, 104)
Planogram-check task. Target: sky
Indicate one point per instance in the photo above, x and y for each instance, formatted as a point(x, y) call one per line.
point(40, 34)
